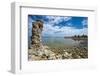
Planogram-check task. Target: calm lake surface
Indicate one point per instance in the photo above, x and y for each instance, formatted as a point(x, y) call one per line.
point(60, 42)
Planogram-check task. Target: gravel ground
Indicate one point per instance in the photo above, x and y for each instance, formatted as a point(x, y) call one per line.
point(58, 53)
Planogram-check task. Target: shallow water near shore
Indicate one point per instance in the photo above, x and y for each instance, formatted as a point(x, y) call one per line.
point(60, 48)
point(60, 42)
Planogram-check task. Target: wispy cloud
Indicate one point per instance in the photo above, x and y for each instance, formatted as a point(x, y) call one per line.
point(85, 23)
point(51, 31)
point(57, 19)
point(59, 26)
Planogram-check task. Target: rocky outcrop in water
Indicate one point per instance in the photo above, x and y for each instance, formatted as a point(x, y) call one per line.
point(38, 51)
point(36, 34)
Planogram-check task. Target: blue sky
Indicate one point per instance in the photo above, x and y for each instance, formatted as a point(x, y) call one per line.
point(60, 26)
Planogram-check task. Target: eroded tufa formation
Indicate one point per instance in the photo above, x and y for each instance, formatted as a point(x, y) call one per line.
point(37, 28)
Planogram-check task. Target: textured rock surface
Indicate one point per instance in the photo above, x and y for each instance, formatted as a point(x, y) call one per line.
point(38, 51)
point(36, 34)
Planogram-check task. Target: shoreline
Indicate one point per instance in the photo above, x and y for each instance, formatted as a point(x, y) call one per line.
point(58, 53)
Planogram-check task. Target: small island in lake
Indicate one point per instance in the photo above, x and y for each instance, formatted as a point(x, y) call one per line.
point(78, 37)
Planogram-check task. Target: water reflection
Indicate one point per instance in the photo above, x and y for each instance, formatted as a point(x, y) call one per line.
point(63, 42)
point(82, 42)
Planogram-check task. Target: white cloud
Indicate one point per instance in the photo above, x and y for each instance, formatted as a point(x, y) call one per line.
point(57, 19)
point(51, 31)
point(84, 22)
point(54, 31)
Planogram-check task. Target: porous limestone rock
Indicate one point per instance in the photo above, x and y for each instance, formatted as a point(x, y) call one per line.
point(37, 28)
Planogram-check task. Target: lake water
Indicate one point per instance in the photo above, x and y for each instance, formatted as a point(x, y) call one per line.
point(60, 42)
